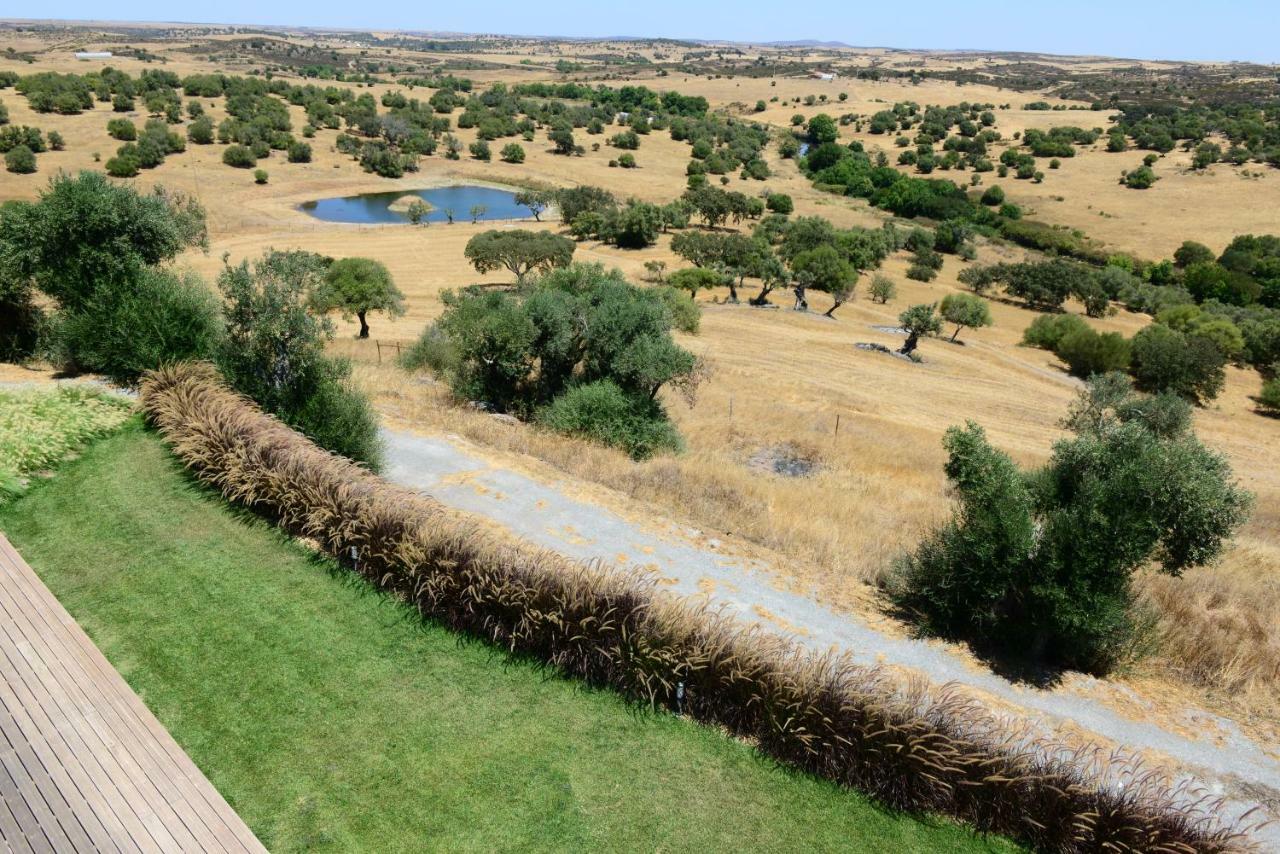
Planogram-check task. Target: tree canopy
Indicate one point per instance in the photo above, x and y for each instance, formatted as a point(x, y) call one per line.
point(519, 251)
point(1038, 564)
point(355, 287)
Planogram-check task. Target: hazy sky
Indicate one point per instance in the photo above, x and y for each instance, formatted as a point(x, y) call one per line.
point(1172, 29)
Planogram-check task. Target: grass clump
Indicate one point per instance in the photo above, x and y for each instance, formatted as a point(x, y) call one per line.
point(40, 428)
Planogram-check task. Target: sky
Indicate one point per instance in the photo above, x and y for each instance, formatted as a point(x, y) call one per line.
point(1140, 29)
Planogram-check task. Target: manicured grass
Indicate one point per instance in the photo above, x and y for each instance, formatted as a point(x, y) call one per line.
point(41, 427)
point(331, 717)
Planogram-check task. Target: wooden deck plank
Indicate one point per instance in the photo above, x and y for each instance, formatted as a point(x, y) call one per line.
point(70, 718)
point(84, 765)
point(79, 762)
point(117, 751)
point(165, 773)
point(174, 775)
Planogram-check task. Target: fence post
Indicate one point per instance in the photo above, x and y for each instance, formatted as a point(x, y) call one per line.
point(837, 424)
point(379, 346)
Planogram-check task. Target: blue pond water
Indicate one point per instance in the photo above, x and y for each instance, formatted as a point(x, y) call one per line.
point(373, 208)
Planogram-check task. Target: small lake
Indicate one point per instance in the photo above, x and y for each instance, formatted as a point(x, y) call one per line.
point(376, 208)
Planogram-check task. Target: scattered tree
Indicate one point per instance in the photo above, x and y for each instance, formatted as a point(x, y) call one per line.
point(965, 310)
point(1024, 568)
point(536, 201)
point(355, 287)
point(519, 251)
point(882, 289)
point(918, 320)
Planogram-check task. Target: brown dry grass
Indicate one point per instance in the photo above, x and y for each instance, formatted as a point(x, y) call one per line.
point(787, 376)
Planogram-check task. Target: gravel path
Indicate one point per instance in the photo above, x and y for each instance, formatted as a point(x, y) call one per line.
point(548, 514)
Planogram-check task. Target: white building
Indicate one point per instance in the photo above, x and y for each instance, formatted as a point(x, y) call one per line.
point(85, 55)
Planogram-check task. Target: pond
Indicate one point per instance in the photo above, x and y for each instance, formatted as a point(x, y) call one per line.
point(376, 208)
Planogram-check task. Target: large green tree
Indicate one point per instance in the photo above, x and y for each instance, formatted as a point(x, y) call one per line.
point(97, 250)
point(825, 269)
point(1038, 565)
point(355, 287)
point(274, 352)
point(579, 327)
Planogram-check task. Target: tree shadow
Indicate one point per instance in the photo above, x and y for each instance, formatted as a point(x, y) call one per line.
point(1023, 668)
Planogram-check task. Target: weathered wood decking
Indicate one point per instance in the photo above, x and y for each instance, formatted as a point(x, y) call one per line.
point(84, 765)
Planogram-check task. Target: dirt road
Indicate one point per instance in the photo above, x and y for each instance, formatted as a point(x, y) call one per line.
point(547, 512)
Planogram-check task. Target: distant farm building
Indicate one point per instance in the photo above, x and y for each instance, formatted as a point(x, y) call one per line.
point(823, 75)
point(93, 54)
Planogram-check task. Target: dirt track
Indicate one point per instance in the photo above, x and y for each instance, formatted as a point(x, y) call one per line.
point(689, 563)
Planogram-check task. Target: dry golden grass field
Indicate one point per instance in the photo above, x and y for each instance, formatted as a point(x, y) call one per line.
point(782, 378)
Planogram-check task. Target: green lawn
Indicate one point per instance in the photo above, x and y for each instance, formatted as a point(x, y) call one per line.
point(331, 717)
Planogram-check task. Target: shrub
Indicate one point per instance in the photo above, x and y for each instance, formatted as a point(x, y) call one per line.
point(93, 236)
point(1139, 179)
point(1048, 329)
point(260, 176)
point(274, 353)
point(1269, 397)
point(299, 152)
point(239, 157)
point(480, 150)
point(122, 129)
point(518, 352)
point(1025, 568)
point(882, 289)
point(627, 160)
point(1166, 360)
point(122, 166)
point(121, 333)
point(200, 131)
point(20, 160)
point(1087, 352)
point(921, 273)
point(602, 412)
point(512, 153)
point(993, 196)
point(779, 203)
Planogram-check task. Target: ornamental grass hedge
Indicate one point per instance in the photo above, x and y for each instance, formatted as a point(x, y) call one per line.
point(912, 747)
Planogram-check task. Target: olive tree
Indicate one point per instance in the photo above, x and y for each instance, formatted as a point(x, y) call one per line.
point(825, 269)
point(536, 201)
point(355, 287)
point(694, 279)
point(918, 320)
point(882, 289)
point(965, 310)
point(1025, 568)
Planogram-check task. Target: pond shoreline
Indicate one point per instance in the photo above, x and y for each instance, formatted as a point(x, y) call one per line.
point(442, 200)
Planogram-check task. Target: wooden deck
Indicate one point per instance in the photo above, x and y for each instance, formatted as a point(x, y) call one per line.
point(84, 765)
